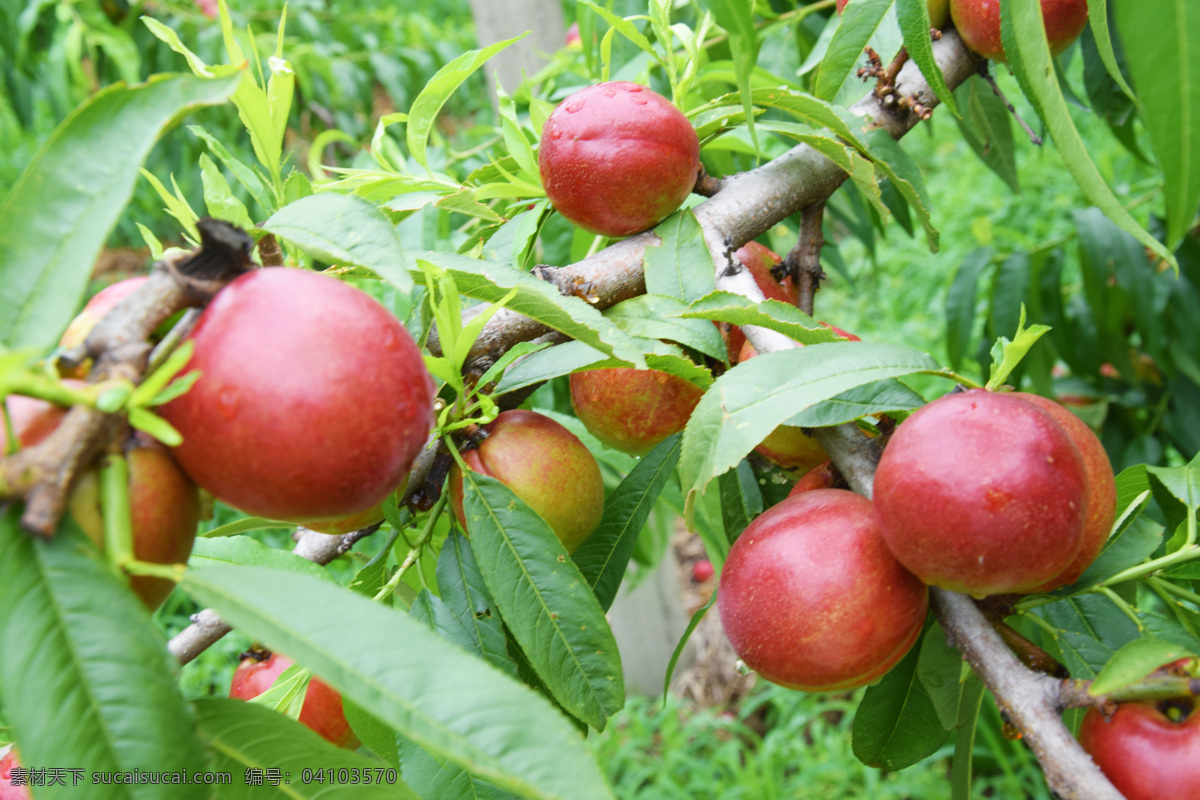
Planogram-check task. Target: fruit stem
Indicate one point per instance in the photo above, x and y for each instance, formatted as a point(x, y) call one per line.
point(114, 505)
point(414, 552)
point(1158, 687)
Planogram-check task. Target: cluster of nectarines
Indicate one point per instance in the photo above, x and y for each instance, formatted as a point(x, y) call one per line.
point(979, 492)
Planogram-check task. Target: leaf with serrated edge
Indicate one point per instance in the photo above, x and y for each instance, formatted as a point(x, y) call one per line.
point(681, 266)
point(466, 595)
point(746, 403)
point(771, 314)
point(858, 24)
point(603, 556)
point(451, 702)
point(85, 678)
point(1133, 661)
point(249, 552)
point(55, 218)
point(1023, 34)
point(545, 601)
point(896, 724)
point(425, 108)
point(344, 229)
point(244, 736)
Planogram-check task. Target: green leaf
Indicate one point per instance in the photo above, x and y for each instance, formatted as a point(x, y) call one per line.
point(176, 204)
point(1091, 628)
point(243, 550)
point(860, 20)
point(156, 426)
point(880, 397)
point(246, 176)
point(940, 669)
point(1006, 355)
point(426, 688)
point(535, 299)
point(55, 219)
point(696, 619)
point(656, 316)
point(913, 16)
point(750, 400)
point(1023, 34)
point(1098, 18)
point(960, 305)
point(906, 178)
point(85, 677)
point(437, 91)
point(1128, 547)
point(149, 389)
point(741, 499)
point(1164, 63)
point(964, 739)
point(466, 595)
point(219, 198)
point(771, 314)
point(896, 724)
point(737, 18)
point(561, 359)
point(987, 128)
point(245, 525)
point(513, 353)
point(1133, 662)
point(435, 778)
point(681, 265)
point(245, 736)
point(344, 229)
point(603, 556)
point(545, 601)
point(803, 106)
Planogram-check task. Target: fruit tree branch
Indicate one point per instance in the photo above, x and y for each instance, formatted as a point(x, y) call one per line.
point(42, 475)
point(207, 628)
point(747, 205)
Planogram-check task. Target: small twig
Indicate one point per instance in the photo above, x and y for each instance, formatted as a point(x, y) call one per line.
point(707, 185)
point(803, 263)
point(207, 626)
point(987, 76)
point(269, 251)
point(1029, 653)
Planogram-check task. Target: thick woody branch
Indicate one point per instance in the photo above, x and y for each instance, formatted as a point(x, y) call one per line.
point(747, 204)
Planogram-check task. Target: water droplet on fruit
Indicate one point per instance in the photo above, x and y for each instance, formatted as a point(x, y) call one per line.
point(594, 395)
point(635, 89)
point(571, 108)
point(227, 402)
point(390, 340)
point(661, 377)
point(640, 101)
point(609, 92)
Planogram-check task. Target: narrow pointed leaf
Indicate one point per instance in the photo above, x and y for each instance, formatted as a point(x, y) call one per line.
point(859, 21)
point(536, 299)
point(603, 556)
point(750, 400)
point(85, 677)
point(545, 601)
point(466, 595)
point(681, 265)
point(56, 217)
point(344, 230)
point(913, 16)
point(244, 736)
point(1023, 34)
point(449, 701)
point(896, 724)
point(437, 91)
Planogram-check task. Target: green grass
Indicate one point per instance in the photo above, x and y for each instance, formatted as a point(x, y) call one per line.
point(681, 753)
